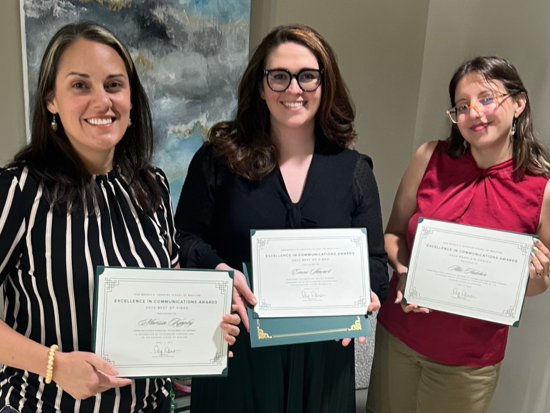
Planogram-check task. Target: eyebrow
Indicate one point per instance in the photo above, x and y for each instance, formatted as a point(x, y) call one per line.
point(84, 75)
point(301, 70)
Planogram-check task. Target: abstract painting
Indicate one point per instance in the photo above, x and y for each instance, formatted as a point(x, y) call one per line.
point(190, 55)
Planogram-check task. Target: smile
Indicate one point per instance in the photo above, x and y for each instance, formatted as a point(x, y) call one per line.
point(293, 104)
point(479, 127)
point(100, 121)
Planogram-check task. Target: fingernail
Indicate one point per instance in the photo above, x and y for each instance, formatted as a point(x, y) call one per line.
point(396, 301)
point(532, 254)
point(536, 240)
point(114, 370)
point(535, 248)
point(254, 301)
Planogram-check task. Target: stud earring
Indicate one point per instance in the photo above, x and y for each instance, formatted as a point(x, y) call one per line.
point(54, 124)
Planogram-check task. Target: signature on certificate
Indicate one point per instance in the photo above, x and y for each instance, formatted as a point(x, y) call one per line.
point(174, 322)
point(165, 352)
point(462, 294)
point(312, 295)
point(473, 271)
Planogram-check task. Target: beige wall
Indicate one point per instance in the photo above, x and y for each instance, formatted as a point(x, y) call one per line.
point(12, 119)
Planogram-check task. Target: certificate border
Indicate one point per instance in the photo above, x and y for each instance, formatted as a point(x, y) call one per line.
point(365, 264)
point(522, 285)
point(100, 271)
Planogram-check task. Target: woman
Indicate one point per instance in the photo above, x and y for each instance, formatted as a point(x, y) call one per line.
point(491, 172)
point(294, 121)
point(81, 194)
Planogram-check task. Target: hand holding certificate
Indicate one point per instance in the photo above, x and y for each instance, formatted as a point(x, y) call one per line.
point(159, 322)
point(470, 271)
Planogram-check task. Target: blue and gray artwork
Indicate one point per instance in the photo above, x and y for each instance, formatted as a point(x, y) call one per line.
point(190, 55)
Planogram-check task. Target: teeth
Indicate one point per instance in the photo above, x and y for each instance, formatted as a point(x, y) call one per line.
point(293, 104)
point(101, 121)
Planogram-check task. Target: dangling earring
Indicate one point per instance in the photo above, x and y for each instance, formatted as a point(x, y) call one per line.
point(54, 124)
point(129, 122)
point(465, 143)
point(514, 123)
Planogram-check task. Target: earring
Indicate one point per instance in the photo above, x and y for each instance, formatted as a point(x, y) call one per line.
point(54, 124)
point(514, 123)
point(129, 122)
point(465, 143)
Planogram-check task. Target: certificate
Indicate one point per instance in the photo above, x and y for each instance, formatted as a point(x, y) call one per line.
point(265, 332)
point(470, 271)
point(162, 322)
point(310, 272)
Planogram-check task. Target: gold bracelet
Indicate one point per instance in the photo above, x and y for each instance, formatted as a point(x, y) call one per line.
point(51, 355)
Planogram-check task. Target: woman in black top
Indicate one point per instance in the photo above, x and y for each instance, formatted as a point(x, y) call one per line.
point(282, 163)
point(81, 194)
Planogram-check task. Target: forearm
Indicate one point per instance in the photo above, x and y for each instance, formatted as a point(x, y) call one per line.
point(398, 252)
point(21, 352)
point(536, 286)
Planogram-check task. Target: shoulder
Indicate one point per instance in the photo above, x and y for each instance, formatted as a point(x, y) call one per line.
point(424, 153)
point(22, 175)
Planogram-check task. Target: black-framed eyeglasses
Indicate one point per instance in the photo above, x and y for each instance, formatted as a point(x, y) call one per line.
point(279, 80)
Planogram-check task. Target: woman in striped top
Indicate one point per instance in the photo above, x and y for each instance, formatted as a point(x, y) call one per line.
point(81, 194)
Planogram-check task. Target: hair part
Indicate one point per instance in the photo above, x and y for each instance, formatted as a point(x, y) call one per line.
point(529, 153)
point(245, 144)
point(51, 157)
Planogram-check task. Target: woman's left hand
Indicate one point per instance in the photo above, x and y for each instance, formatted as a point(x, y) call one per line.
point(539, 269)
point(373, 306)
point(230, 324)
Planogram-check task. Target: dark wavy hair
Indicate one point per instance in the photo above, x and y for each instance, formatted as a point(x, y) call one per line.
point(244, 144)
point(530, 155)
point(50, 156)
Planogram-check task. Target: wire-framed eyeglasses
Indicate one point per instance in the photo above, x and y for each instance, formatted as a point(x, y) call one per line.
point(485, 105)
point(279, 80)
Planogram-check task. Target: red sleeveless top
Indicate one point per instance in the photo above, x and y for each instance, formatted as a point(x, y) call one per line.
point(457, 190)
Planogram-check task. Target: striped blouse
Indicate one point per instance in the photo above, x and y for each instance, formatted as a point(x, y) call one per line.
point(47, 266)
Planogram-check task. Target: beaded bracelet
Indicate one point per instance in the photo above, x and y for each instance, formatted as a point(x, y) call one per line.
point(51, 355)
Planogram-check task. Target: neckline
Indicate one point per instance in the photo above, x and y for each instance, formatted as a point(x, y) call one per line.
point(307, 183)
point(493, 168)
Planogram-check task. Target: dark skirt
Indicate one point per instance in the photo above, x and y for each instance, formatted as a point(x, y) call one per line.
point(299, 378)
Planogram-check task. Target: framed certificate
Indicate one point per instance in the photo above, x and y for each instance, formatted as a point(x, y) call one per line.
point(265, 332)
point(162, 322)
point(470, 271)
point(310, 272)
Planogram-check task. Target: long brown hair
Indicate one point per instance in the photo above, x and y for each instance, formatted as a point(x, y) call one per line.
point(51, 157)
point(244, 144)
point(530, 155)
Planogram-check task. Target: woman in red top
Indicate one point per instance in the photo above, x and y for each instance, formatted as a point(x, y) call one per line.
point(491, 172)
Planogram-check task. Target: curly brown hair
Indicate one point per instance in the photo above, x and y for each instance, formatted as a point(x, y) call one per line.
point(529, 153)
point(245, 144)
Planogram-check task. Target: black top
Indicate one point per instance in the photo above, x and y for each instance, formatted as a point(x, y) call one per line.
point(47, 265)
point(216, 212)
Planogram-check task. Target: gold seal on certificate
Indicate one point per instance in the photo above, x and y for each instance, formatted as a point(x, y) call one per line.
point(151, 322)
point(470, 271)
point(310, 272)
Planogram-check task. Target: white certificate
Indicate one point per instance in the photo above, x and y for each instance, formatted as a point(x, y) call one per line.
point(470, 271)
point(162, 322)
point(310, 272)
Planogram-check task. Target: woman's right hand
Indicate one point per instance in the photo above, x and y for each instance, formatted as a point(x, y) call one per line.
point(83, 374)
point(401, 291)
point(241, 293)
